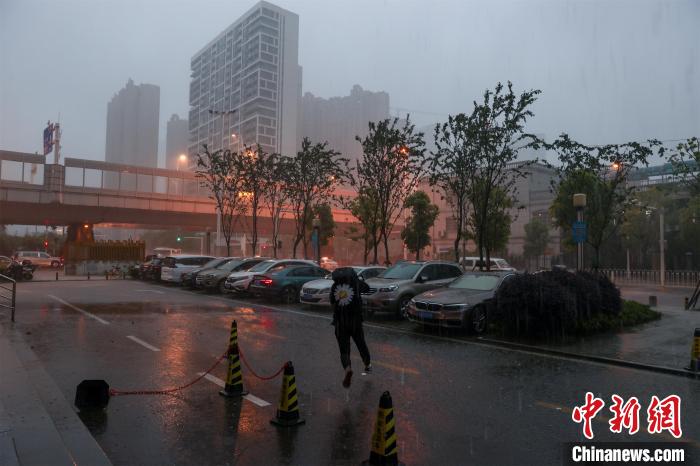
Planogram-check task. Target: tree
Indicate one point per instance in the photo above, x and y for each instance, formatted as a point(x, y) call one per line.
point(536, 238)
point(365, 209)
point(686, 163)
point(311, 179)
point(416, 233)
point(450, 168)
point(254, 171)
point(218, 171)
point(324, 213)
point(600, 172)
point(493, 135)
point(494, 226)
point(388, 171)
point(275, 193)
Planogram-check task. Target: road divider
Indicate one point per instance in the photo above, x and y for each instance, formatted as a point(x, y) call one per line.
point(234, 376)
point(384, 445)
point(288, 407)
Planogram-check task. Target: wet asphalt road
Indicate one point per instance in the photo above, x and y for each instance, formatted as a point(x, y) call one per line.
point(456, 401)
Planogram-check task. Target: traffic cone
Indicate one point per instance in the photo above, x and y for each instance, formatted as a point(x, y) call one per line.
point(384, 446)
point(288, 409)
point(234, 376)
point(695, 352)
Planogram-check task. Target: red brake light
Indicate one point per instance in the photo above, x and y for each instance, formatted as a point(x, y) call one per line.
point(266, 281)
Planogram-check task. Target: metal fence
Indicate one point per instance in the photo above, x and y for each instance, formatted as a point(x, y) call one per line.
point(686, 278)
point(8, 293)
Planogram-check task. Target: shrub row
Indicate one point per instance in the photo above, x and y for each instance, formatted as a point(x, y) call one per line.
point(554, 303)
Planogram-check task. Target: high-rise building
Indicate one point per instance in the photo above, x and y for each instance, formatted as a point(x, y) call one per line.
point(339, 119)
point(176, 143)
point(132, 125)
point(250, 72)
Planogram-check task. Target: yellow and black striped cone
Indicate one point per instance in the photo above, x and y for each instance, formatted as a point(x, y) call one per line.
point(384, 445)
point(695, 352)
point(234, 376)
point(288, 409)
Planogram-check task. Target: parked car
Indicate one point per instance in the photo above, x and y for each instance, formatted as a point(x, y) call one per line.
point(318, 292)
point(214, 279)
point(165, 252)
point(39, 258)
point(328, 264)
point(394, 288)
point(464, 303)
point(189, 278)
point(496, 263)
point(239, 282)
point(150, 270)
point(174, 266)
point(284, 284)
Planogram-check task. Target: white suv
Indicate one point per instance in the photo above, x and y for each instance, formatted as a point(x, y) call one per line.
point(39, 258)
point(472, 263)
point(174, 266)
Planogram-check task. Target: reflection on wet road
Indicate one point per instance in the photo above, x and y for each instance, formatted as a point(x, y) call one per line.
point(455, 402)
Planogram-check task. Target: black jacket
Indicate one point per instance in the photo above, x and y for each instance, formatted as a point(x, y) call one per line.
point(349, 314)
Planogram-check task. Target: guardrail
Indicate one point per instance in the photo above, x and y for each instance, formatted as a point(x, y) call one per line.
point(687, 278)
point(12, 289)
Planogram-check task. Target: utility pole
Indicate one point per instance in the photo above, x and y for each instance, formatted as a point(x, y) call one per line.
point(662, 252)
point(580, 238)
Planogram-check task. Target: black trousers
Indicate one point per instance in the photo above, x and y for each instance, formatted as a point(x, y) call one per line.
point(343, 334)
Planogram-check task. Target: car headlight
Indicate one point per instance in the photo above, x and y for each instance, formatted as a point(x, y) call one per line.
point(455, 307)
point(389, 289)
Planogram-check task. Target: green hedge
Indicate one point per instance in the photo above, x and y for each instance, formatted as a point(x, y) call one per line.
point(558, 303)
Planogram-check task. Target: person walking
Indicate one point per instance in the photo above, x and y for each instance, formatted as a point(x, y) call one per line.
point(346, 299)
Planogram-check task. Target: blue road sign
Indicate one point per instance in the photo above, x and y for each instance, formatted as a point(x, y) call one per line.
point(314, 238)
point(578, 232)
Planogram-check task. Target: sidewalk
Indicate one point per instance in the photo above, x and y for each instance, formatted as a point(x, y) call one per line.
point(38, 426)
point(49, 275)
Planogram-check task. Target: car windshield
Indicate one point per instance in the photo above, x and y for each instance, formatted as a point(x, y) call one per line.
point(475, 282)
point(501, 263)
point(230, 265)
point(403, 271)
point(262, 267)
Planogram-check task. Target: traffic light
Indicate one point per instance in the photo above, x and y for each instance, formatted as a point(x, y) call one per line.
point(179, 238)
point(46, 244)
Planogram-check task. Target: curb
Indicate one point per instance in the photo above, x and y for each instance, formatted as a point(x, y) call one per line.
point(592, 358)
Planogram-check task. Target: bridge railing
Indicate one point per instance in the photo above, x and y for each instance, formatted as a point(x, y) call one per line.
point(683, 278)
point(19, 167)
point(90, 174)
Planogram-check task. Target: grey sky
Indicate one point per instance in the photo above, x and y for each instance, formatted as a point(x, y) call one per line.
point(610, 71)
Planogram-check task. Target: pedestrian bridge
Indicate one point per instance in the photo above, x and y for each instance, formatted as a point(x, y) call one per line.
point(33, 192)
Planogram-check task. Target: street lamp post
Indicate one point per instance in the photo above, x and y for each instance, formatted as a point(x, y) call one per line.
point(317, 239)
point(579, 204)
point(662, 252)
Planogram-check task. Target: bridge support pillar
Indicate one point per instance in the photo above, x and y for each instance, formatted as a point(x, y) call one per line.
point(80, 233)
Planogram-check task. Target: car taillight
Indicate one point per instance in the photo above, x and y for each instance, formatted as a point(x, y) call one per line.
point(266, 281)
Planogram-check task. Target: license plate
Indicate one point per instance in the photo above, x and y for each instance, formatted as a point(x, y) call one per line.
point(306, 296)
point(424, 315)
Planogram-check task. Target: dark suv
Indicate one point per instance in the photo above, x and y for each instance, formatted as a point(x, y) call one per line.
point(392, 290)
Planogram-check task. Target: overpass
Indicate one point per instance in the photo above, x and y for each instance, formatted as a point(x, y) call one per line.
point(33, 192)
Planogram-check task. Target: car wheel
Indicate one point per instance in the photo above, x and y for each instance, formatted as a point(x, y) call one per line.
point(290, 295)
point(55, 264)
point(403, 306)
point(222, 287)
point(479, 320)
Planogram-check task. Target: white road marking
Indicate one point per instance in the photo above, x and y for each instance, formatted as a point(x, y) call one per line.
point(142, 343)
point(252, 398)
point(151, 291)
point(82, 311)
